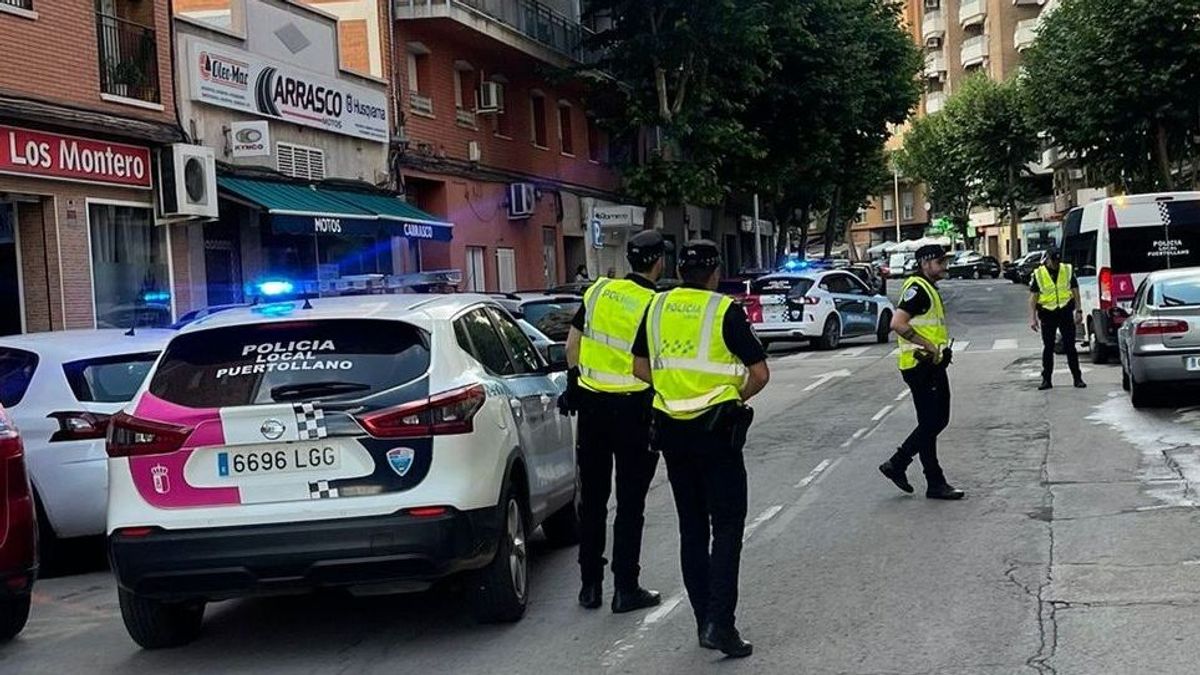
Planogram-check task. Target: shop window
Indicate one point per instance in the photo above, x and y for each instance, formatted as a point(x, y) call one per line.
point(537, 105)
point(565, 132)
point(130, 277)
point(299, 161)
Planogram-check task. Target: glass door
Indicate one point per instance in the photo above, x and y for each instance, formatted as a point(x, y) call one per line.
point(10, 275)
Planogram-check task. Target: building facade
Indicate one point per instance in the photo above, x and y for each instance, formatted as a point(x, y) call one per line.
point(86, 102)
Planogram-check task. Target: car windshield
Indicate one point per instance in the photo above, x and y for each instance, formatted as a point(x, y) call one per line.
point(1180, 292)
point(109, 379)
point(16, 372)
point(262, 363)
point(781, 286)
point(535, 311)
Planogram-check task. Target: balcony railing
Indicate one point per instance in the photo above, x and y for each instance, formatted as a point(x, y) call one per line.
point(26, 5)
point(971, 12)
point(420, 104)
point(1025, 34)
point(529, 18)
point(128, 54)
point(465, 118)
point(935, 64)
point(974, 51)
point(934, 102)
point(933, 25)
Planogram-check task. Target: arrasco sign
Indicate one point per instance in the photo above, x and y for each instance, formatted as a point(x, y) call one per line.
point(37, 153)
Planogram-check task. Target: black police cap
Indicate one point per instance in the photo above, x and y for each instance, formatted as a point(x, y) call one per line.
point(931, 252)
point(647, 246)
point(700, 253)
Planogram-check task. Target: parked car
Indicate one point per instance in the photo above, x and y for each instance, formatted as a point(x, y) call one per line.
point(974, 266)
point(18, 532)
point(1159, 344)
point(820, 306)
point(869, 275)
point(551, 313)
point(60, 388)
point(1011, 269)
point(898, 264)
point(280, 450)
point(1029, 265)
point(910, 267)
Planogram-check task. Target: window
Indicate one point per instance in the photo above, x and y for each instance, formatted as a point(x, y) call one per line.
point(1136, 250)
point(475, 281)
point(478, 337)
point(419, 100)
point(537, 106)
point(780, 285)
point(837, 283)
point(1179, 293)
point(524, 354)
point(502, 120)
point(465, 87)
point(906, 205)
point(16, 372)
point(256, 363)
point(565, 131)
point(299, 161)
point(130, 278)
point(111, 379)
point(889, 208)
point(597, 142)
point(506, 269)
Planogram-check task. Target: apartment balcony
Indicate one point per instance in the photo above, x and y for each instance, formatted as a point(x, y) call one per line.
point(974, 51)
point(1033, 3)
point(1025, 34)
point(527, 25)
point(420, 104)
point(933, 26)
point(934, 102)
point(128, 59)
point(935, 65)
point(972, 12)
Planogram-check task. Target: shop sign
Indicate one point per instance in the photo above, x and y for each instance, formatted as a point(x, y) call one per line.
point(618, 216)
point(251, 139)
point(46, 155)
point(239, 80)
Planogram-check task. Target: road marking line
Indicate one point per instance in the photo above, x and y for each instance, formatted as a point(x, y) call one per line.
point(894, 352)
point(853, 352)
point(763, 517)
point(1004, 344)
point(962, 346)
point(812, 475)
point(796, 357)
point(883, 412)
point(662, 611)
point(854, 437)
point(826, 377)
point(903, 395)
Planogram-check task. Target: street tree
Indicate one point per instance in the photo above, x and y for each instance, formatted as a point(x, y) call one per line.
point(933, 153)
point(1116, 82)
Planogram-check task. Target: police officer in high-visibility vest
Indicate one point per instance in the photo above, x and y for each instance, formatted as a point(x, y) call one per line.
point(697, 349)
point(1054, 308)
point(924, 355)
point(614, 424)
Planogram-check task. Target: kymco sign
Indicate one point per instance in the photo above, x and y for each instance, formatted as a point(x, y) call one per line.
point(37, 153)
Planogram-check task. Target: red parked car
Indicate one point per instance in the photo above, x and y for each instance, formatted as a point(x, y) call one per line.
point(18, 532)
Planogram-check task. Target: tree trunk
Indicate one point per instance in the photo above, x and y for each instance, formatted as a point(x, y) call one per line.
point(1014, 228)
point(1162, 154)
point(832, 220)
point(805, 223)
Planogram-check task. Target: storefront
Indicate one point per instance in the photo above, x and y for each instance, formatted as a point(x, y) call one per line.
point(79, 247)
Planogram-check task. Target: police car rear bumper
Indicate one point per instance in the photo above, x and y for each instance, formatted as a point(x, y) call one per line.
point(231, 562)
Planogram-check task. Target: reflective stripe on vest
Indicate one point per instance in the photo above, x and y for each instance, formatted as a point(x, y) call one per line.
point(1053, 293)
point(613, 310)
point(931, 325)
point(692, 367)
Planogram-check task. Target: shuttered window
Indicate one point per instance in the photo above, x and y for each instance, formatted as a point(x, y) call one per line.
point(299, 161)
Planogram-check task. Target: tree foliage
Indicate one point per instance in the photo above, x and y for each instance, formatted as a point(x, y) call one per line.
point(1117, 83)
point(933, 153)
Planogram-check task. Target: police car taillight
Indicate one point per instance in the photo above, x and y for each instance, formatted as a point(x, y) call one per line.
point(810, 300)
point(129, 436)
point(451, 412)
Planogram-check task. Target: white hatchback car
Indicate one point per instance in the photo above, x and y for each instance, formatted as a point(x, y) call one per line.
point(60, 389)
point(374, 443)
point(821, 306)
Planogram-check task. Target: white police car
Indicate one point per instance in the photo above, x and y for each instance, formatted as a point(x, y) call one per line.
point(818, 305)
point(373, 442)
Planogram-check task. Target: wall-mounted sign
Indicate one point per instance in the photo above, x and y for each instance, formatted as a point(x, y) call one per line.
point(239, 80)
point(250, 139)
point(619, 216)
point(37, 153)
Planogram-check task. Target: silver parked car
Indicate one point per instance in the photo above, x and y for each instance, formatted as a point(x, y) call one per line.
point(1160, 341)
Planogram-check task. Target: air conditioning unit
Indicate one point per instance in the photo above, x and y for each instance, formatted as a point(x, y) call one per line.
point(490, 98)
point(934, 43)
point(933, 4)
point(474, 154)
point(187, 177)
point(522, 198)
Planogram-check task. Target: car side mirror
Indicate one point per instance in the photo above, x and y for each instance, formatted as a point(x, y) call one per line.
point(556, 357)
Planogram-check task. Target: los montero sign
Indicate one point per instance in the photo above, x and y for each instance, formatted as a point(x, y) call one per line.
point(48, 155)
point(236, 79)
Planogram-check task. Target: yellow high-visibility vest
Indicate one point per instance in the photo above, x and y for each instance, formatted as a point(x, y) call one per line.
point(614, 309)
point(1053, 293)
point(692, 367)
point(931, 325)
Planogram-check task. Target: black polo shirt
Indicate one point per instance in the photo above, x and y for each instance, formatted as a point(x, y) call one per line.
point(735, 329)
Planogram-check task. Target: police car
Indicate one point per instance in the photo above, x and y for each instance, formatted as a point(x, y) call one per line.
point(377, 443)
point(818, 305)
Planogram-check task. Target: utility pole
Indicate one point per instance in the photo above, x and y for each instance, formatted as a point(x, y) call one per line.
point(758, 252)
point(896, 197)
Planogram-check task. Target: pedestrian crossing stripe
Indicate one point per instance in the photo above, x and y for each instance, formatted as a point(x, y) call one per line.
point(877, 351)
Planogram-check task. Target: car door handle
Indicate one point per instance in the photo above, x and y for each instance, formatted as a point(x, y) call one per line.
point(517, 408)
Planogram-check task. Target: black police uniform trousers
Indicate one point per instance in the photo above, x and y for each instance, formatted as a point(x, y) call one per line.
point(708, 479)
point(930, 389)
point(613, 429)
point(1054, 322)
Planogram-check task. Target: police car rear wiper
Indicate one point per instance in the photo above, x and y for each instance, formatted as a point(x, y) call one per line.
point(291, 392)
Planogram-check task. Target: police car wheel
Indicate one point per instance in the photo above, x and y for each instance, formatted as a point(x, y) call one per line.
point(831, 335)
point(502, 592)
point(155, 624)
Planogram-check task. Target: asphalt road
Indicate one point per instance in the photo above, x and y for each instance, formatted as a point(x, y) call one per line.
point(1077, 550)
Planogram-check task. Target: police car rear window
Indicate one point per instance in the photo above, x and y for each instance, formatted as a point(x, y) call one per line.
point(308, 360)
point(781, 286)
point(16, 372)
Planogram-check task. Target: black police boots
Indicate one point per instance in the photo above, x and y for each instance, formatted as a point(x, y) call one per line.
point(1045, 384)
point(896, 475)
point(943, 491)
point(727, 640)
point(634, 599)
point(591, 596)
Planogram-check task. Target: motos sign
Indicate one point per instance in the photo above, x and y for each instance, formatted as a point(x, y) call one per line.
point(37, 153)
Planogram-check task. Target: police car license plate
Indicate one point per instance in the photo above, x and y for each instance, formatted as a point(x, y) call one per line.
point(286, 459)
point(1193, 363)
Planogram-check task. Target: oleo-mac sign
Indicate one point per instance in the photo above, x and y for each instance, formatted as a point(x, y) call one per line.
point(237, 79)
point(37, 153)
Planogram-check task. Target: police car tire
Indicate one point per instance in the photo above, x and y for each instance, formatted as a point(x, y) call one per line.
point(884, 331)
point(155, 624)
point(14, 612)
point(829, 339)
point(497, 596)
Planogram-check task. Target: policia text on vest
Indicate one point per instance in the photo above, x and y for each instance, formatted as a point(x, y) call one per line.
point(698, 351)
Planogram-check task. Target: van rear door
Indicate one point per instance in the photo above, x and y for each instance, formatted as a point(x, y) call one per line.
point(1150, 237)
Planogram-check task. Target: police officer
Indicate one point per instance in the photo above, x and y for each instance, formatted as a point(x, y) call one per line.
point(1054, 308)
point(697, 349)
point(924, 340)
point(614, 424)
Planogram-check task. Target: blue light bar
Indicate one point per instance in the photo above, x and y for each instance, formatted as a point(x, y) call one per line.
point(156, 296)
point(275, 288)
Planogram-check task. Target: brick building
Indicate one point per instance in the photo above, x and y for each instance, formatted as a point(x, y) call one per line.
point(86, 99)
